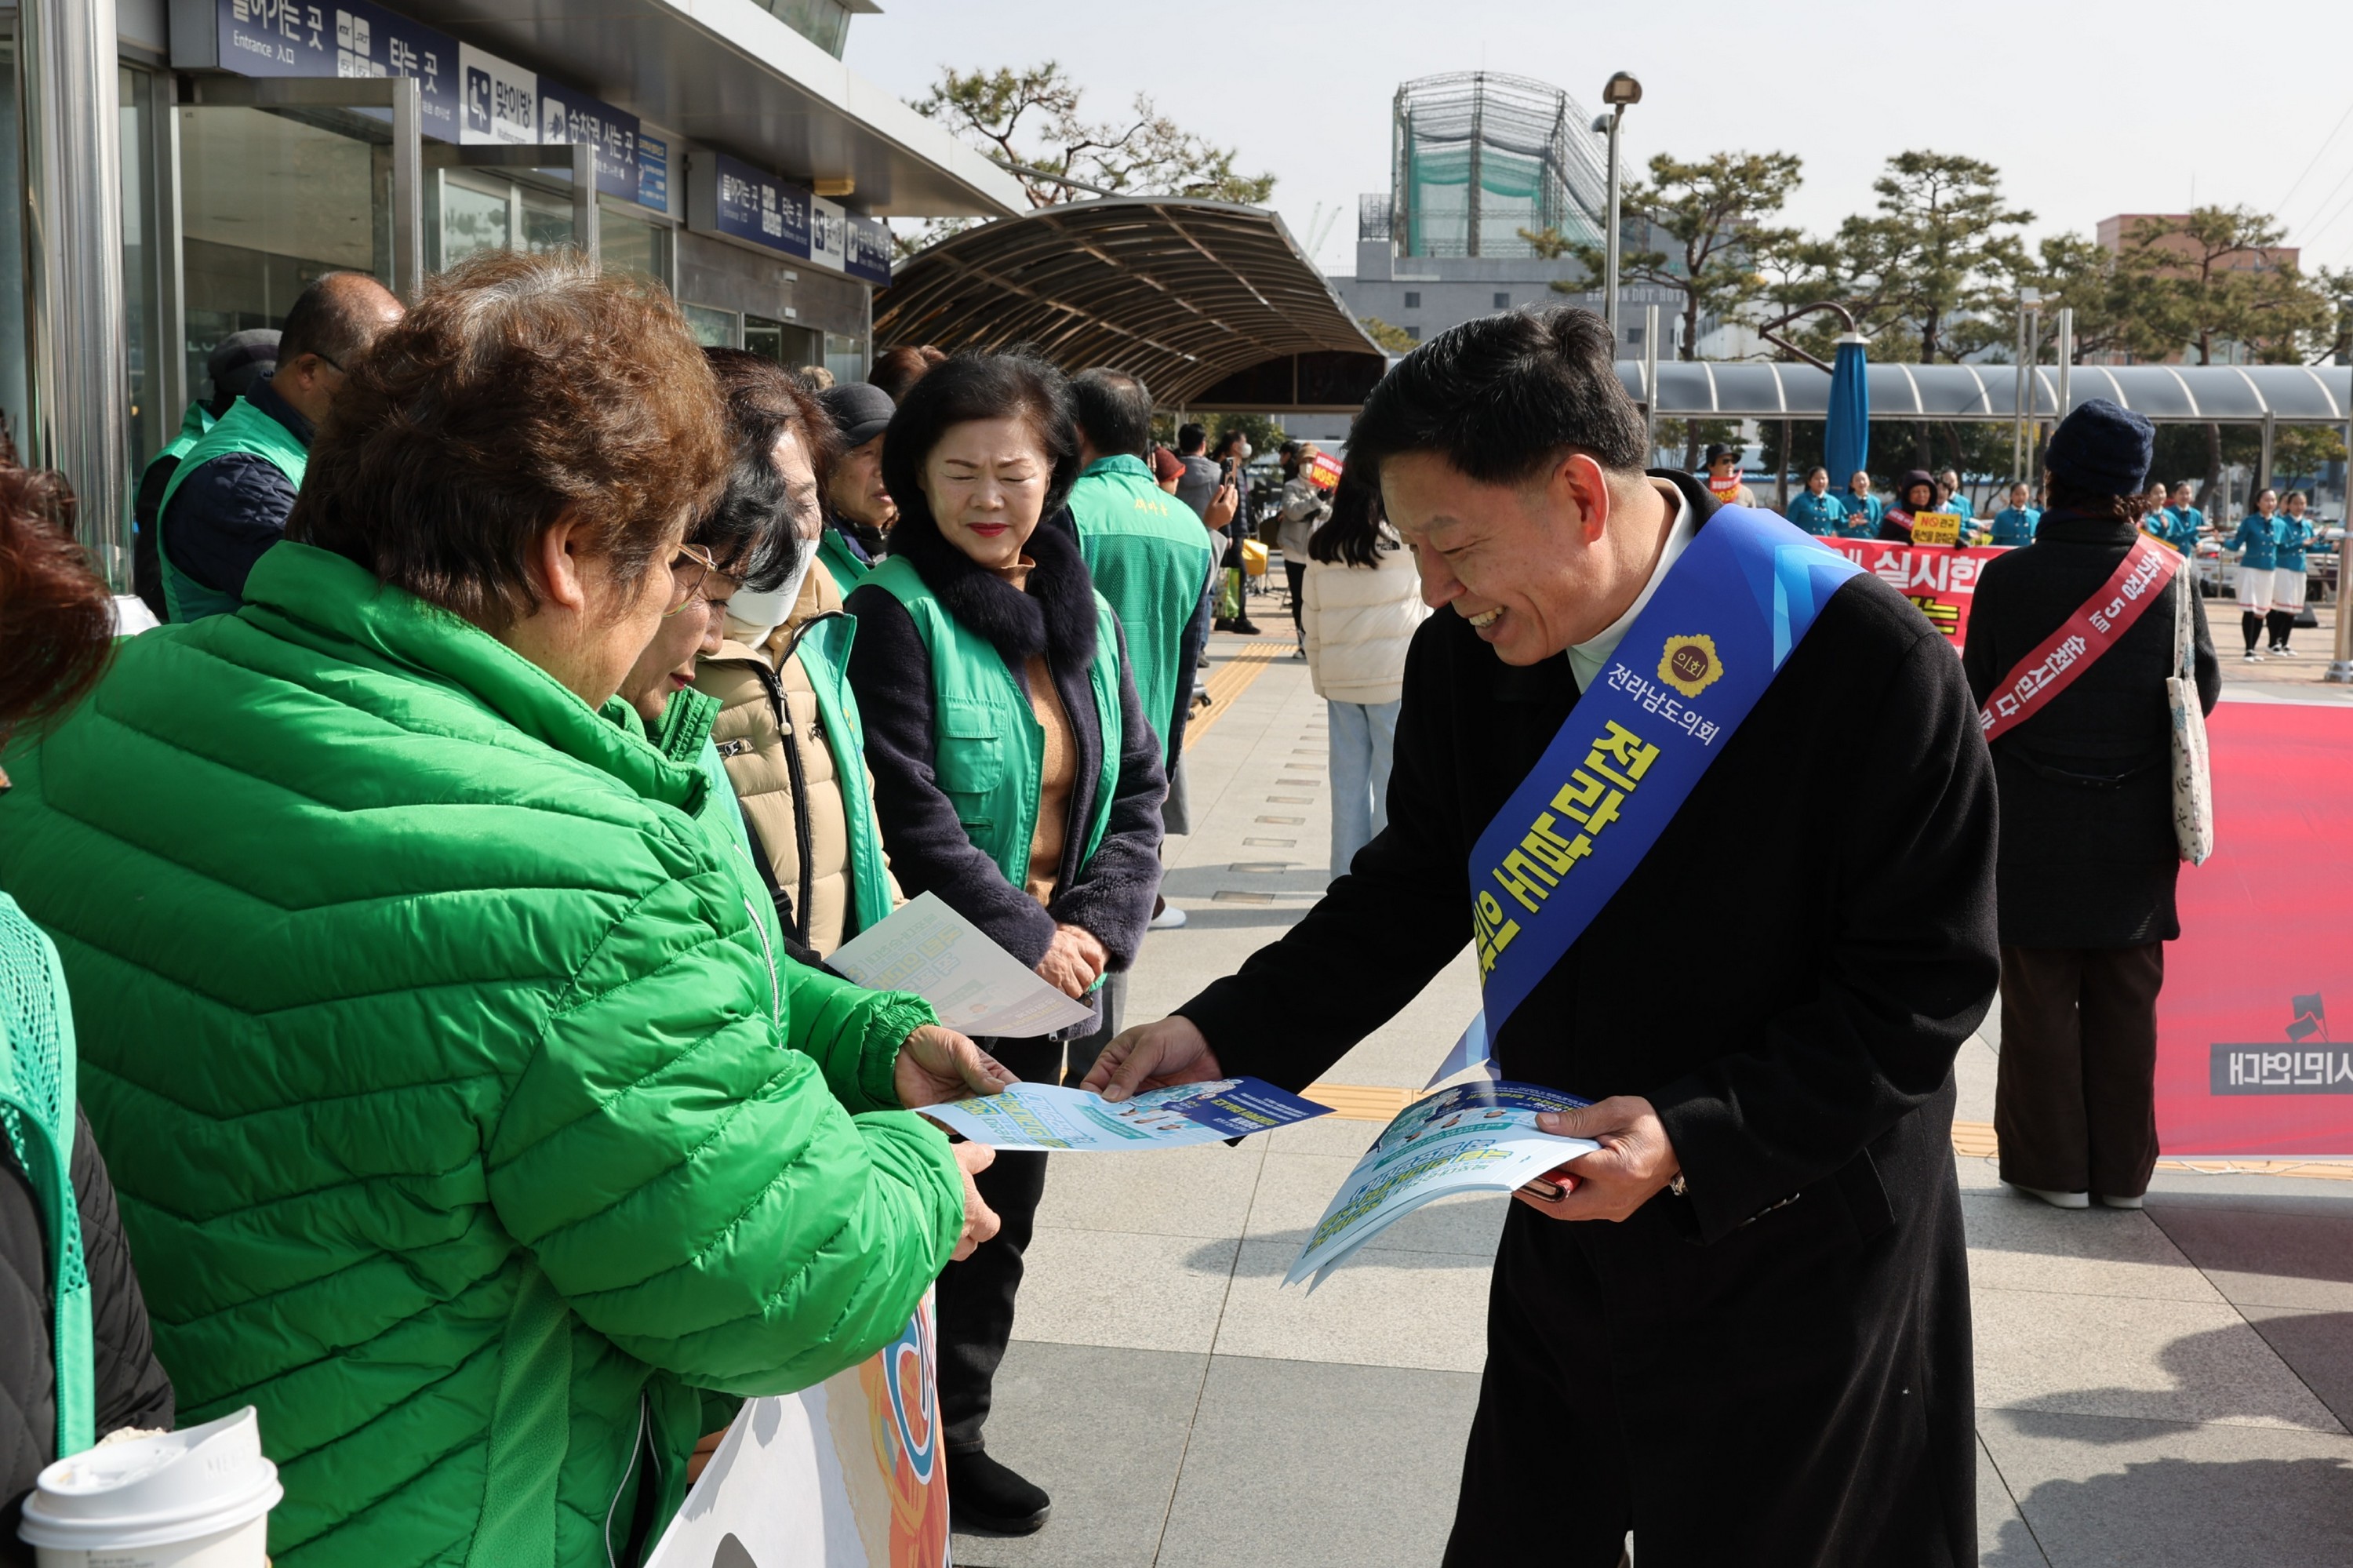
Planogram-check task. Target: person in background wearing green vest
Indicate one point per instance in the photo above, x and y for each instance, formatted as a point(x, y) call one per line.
point(1152, 559)
point(229, 498)
point(1016, 775)
point(465, 1119)
point(237, 363)
point(787, 725)
point(859, 510)
point(78, 1361)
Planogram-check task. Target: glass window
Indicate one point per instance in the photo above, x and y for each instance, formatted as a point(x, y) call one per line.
point(546, 220)
point(715, 328)
point(1503, 301)
point(270, 201)
point(625, 243)
point(14, 350)
point(151, 424)
point(845, 356)
point(476, 215)
point(1413, 298)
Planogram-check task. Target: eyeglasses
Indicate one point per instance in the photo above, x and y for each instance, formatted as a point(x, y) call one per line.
point(687, 575)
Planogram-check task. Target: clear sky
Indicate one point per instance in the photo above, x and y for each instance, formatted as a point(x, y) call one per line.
point(2088, 107)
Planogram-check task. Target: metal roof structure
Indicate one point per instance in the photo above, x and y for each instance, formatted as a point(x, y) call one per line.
point(2163, 393)
point(1189, 295)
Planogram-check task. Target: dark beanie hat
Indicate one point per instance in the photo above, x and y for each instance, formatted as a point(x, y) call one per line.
point(2101, 448)
point(1915, 476)
point(241, 359)
point(859, 410)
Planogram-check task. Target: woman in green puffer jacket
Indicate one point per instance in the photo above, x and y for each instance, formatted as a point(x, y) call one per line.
point(461, 1118)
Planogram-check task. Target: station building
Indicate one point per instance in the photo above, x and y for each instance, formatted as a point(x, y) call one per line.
point(179, 169)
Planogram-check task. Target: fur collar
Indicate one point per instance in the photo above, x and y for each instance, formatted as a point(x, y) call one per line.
point(1056, 617)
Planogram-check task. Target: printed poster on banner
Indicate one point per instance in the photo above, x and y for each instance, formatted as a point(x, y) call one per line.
point(850, 1473)
point(1938, 579)
point(2248, 1064)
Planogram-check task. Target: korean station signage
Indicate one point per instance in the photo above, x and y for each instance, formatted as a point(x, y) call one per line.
point(468, 95)
point(729, 197)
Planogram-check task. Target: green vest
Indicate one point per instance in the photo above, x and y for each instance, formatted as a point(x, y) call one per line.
point(840, 561)
point(1150, 557)
point(244, 428)
point(823, 647)
point(193, 424)
point(988, 749)
point(36, 1113)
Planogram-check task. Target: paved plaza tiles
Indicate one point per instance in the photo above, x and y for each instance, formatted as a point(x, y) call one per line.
point(2170, 1387)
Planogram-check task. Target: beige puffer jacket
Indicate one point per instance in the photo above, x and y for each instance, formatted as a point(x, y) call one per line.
point(1358, 620)
point(752, 741)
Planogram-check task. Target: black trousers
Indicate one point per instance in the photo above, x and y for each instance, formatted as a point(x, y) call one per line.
point(974, 1299)
point(1798, 1392)
point(1296, 572)
point(2074, 1104)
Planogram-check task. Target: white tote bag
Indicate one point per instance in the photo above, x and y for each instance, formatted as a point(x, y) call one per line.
point(2193, 782)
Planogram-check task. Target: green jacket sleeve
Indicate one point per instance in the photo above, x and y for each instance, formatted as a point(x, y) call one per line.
point(852, 1033)
point(699, 1195)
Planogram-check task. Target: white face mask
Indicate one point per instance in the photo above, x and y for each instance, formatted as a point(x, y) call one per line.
point(1245, 451)
point(750, 617)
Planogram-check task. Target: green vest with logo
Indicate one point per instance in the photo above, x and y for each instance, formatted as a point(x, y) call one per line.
point(1150, 557)
point(823, 646)
point(245, 429)
point(988, 749)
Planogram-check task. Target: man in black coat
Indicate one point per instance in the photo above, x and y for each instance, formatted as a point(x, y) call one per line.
point(1744, 1336)
point(2088, 853)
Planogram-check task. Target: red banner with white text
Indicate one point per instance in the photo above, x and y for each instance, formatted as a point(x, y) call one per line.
point(1940, 579)
point(2245, 1062)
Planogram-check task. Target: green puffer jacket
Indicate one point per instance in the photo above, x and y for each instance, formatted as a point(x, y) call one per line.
point(459, 1120)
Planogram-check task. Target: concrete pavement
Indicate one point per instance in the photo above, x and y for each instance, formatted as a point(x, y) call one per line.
point(2170, 1386)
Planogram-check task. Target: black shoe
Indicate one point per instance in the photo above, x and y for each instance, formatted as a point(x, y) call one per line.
point(985, 1494)
point(1223, 623)
point(1246, 627)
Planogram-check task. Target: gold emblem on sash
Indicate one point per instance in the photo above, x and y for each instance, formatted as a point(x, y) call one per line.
point(1689, 664)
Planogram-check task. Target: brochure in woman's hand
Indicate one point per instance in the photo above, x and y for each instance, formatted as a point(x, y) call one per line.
point(1041, 1116)
point(1476, 1138)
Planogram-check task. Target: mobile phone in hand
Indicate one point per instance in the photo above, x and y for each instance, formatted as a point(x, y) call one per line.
point(1554, 1184)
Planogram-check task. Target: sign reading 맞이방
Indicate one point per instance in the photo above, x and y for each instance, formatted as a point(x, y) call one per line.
point(2246, 1065)
point(348, 38)
point(501, 100)
point(829, 234)
point(1940, 579)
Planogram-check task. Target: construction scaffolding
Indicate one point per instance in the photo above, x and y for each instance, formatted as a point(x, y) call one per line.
point(1477, 156)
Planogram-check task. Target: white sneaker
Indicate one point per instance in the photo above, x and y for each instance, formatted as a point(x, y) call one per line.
point(2252, 657)
point(2056, 1200)
point(1168, 919)
point(2132, 1202)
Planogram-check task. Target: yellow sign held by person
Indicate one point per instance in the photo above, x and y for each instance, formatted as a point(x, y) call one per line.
point(1935, 528)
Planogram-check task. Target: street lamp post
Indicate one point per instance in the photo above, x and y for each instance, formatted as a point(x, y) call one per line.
point(1619, 92)
point(2029, 303)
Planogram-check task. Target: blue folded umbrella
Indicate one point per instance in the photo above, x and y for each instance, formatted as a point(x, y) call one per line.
point(1846, 434)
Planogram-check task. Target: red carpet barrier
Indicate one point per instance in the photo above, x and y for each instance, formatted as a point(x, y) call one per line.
point(2245, 1065)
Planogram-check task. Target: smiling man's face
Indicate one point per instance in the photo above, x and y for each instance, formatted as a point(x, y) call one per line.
point(1527, 565)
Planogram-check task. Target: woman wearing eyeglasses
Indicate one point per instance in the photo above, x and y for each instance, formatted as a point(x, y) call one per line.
point(466, 1120)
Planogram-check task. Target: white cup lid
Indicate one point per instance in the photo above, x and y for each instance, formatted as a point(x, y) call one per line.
point(150, 1490)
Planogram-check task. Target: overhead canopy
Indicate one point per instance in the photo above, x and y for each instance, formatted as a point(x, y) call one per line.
point(2288, 394)
point(1212, 304)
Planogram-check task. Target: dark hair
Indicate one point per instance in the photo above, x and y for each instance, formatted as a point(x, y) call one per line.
point(749, 532)
point(1113, 411)
point(2058, 495)
point(1818, 469)
point(520, 388)
point(1190, 439)
point(56, 620)
point(1228, 435)
point(1353, 535)
point(968, 387)
point(2295, 495)
point(1502, 397)
point(897, 369)
point(336, 316)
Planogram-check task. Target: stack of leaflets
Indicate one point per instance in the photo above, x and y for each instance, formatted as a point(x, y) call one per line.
point(1078, 1121)
point(1479, 1137)
point(975, 986)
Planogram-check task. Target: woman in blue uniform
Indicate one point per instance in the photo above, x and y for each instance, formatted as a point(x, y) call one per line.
point(2015, 523)
point(2291, 535)
point(1814, 509)
point(2257, 542)
point(1862, 508)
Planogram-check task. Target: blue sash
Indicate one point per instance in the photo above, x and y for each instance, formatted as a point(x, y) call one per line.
point(1742, 595)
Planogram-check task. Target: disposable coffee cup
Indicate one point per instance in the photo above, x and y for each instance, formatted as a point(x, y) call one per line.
point(199, 1498)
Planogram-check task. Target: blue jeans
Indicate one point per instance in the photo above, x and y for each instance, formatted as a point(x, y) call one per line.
point(1363, 736)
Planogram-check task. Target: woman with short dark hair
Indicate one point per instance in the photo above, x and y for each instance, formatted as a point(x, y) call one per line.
point(465, 1119)
point(1016, 776)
